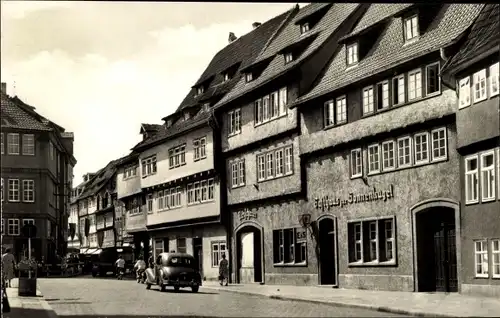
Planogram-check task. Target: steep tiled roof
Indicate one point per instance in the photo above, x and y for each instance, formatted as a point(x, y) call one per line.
point(244, 50)
point(451, 22)
point(333, 18)
point(151, 127)
point(481, 37)
point(17, 116)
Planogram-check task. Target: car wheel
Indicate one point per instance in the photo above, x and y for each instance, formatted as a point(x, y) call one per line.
point(195, 289)
point(148, 286)
point(176, 288)
point(94, 274)
point(163, 288)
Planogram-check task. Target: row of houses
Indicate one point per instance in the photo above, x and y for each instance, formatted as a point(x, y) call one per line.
point(351, 145)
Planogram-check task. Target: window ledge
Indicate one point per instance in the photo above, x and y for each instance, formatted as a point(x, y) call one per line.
point(198, 159)
point(472, 202)
point(493, 95)
point(482, 276)
point(411, 41)
point(372, 173)
point(436, 160)
point(487, 200)
point(373, 263)
point(482, 99)
point(350, 67)
point(301, 264)
point(276, 177)
point(270, 120)
point(334, 125)
point(496, 277)
point(358, 176)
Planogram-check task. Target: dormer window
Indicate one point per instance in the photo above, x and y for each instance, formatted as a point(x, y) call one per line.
point(352, 54)
point(304, 27)
point(200, 90)
point(226, 77)
point(205, 107)
point(186, 115)
point(411, 28)
point(288, 57)
point(248, 77)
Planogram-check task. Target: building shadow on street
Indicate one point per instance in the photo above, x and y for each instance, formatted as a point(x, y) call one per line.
point(38, 313)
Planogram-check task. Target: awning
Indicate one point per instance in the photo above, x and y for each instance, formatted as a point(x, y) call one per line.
point(97, 251)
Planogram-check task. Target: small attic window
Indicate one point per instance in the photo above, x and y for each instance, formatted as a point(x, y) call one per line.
point(304, 27)
point(205, 107)
point(249, 77)
point(200, 90)
point(227, 77)
point(411, 28)
point(288, 57)
point(186, 115)
point(352, 54)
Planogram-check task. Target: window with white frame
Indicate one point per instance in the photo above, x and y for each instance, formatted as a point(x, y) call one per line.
point(494, 79)
point(200, 90)
point(356, 163)
point(181, 245)
point(487, 176)
point(261, 168)
point(270, 106)
point(148, 166)
point(341, 109)
point(234, 118)
point(177, 156)
point(288, 160)
point(275, 163)
point(411, 28)
point(13, 227)
point(471, 179)
point(283, 100)
point(274, 108)
point(383, 95)
point(464, 92)
point(352, 54)
point(304, 27)
point(367, 100)
point(433, 81)
point(199, 146)
point(218, 249)
point(414, 84)
point(479, 86)
point(197, 192)
point(248, 77)
point(398, 90)
point(421, 143)
point(158, 247)
point(373, 158)
point(28, 190)
point(388, 154)
point(270, 165)
point(13, 144)
point(329, 111)
point(28, 144)
point(481, 258)
point(265, 108)
point(238, 173)
point(439, 147)
point(289, 246)
point(495, 258)
point(227, 77)
point(404, 152)
point(28, 221)
point(14, 190)
point(149, 202)
point(1, 145)
point(288, 57)
point(130, 172)
point(280, 163)
point(372, 241)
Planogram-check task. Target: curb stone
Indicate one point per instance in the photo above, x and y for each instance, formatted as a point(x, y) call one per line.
point(335, 304)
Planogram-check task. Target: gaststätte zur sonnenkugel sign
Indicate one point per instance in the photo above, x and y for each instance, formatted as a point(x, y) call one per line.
point(325, 203)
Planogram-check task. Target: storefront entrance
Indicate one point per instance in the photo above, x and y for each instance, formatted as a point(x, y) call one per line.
point(249, 255)
point(436, 250)
point(327, 251)
point(198, 253)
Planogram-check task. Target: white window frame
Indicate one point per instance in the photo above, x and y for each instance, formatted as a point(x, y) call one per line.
point(494, 79)
point(274, 104)
point(358, 164)
point(427, 79)
point(422, 150)
point(28, 221)
point(410, 152)
point(288, 154)
point(445, 156)
point(234, 128)
point(211, 189)
point(385, 95)
point(475, 175)
point(288, 57)
point(16, 224)
point(411, 28)
point(270, 165)
point(498, 173)
point(415, 86)
point(248, 77)
point(368, 102)
point(464, 92)
point(389, 240)
point(490, 172)
point(495, 266)
point(483, 254)
point(200, 90)
point(29, 190)
point(304, 27)
point(13, 148)
point(226, 77)
point(15, 190)
point(219, 252)
point(370, 159)
point(200, 148)
point(329, 114)
point(265, 109)
point(352, 54)
point(148, 166)
point(28, 141)
point(261, 167)
point(283, 101)
point(479, 79)
point(400, 79)
point(341, 110)
point(238, 167)
point(149, 203)
point(279, 156)
point(394, 157)
point(241, 172)
point(375, 244)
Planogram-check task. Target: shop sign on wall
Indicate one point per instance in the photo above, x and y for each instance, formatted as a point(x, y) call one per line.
point(247, 215)
point(300, 235)
point(325, 203)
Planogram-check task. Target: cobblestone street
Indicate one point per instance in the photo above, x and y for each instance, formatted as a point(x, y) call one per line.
point(96, 297)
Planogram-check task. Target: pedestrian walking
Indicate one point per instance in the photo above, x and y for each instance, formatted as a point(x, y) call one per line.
point(223, 270)
point(8, 265)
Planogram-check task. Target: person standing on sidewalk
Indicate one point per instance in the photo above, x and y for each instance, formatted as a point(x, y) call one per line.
point(8, 265)
point(223, 270)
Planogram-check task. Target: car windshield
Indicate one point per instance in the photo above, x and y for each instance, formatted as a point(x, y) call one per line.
point(180, 261)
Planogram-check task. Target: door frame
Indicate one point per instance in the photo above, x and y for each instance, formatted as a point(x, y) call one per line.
point(336, 251)
point(236, 242)
point(423, 206)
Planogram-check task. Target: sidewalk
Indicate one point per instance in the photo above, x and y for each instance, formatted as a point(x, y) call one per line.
point(27, 307)
point(406, 303)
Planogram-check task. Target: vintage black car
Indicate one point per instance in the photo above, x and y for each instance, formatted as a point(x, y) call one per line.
point(178, 270)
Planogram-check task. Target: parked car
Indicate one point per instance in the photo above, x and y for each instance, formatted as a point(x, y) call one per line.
point(105, 262)
point(178, 270)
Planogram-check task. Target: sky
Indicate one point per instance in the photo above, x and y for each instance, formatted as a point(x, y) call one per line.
point(100, 69)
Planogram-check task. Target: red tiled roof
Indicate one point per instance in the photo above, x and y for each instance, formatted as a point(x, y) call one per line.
point(333, 18)
point(17, 116)
point(389, 51)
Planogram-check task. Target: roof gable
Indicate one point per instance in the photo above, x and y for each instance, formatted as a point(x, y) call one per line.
point(17, 116)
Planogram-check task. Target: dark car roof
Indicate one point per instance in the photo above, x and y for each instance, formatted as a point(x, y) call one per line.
point(180, 255)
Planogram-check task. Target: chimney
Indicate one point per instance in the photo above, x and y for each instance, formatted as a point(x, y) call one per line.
point(232, 37)
point(255, 25)
point(4, 87)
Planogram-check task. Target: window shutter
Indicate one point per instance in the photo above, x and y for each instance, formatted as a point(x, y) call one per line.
point(351, 238)
point(276, 244)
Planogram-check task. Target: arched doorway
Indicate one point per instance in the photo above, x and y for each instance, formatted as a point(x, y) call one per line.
point(436, 237)
point(249, 254)
point(327, 237)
